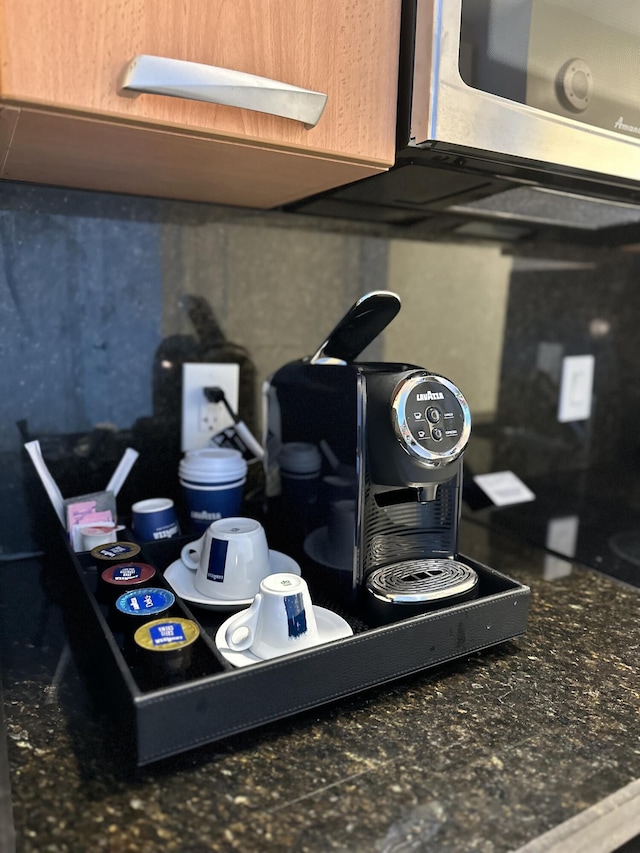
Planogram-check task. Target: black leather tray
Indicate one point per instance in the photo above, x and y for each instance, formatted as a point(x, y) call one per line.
point(215, 700)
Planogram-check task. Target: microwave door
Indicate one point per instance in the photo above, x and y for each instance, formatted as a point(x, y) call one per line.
point(542, 81)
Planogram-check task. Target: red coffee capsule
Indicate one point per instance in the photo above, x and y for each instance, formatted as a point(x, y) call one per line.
point(121, 577)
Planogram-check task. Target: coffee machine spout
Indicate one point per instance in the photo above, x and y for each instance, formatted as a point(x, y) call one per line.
point(427, 493)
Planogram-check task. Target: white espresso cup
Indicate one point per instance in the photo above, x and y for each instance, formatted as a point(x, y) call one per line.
point(279, 621)
point(230, 559)
point(153, 519)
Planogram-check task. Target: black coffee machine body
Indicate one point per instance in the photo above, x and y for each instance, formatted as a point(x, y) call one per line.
point(395, 432)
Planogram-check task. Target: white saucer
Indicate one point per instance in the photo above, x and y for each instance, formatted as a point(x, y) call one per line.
point(181, 579)
point(316, 546)
point(330, 627)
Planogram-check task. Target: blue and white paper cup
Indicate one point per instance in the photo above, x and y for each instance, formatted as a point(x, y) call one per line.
point(212, 481)
point(153, 519)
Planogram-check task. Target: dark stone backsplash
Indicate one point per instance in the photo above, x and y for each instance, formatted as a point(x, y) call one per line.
point(103, 297)
point(593, 311)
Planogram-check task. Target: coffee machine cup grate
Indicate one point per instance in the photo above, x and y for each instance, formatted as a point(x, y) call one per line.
point(428, 581)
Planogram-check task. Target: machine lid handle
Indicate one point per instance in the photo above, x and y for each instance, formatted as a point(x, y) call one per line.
point(361, 325)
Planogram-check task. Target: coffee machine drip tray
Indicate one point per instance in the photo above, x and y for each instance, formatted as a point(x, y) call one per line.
point(415, 586)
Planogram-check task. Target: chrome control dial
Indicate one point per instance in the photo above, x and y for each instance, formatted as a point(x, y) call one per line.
point(431, 418)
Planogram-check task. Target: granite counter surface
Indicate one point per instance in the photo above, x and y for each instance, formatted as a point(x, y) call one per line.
point(483, 754)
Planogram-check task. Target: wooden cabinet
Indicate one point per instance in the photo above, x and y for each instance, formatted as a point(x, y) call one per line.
point(65, 120)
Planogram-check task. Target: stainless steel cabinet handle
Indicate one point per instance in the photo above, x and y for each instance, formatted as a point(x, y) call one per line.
point(158, 75)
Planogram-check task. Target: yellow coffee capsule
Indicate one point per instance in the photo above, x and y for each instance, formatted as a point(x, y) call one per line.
point(166, 645)
point(166, 635)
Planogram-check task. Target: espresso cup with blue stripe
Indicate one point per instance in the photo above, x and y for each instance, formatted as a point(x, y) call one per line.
point(279, 621)
point(229, 560)
point(154, 519)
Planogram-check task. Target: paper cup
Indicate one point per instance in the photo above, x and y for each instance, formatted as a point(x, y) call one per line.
point(212, 481)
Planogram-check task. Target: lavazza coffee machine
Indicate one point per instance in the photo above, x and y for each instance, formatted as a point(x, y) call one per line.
point(379, 520)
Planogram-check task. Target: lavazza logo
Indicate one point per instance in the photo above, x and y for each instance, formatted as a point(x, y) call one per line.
point(621, 125)
point(431, 395)
point(203, 515)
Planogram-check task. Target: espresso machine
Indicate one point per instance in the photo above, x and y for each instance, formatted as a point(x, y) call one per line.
point(392, 436)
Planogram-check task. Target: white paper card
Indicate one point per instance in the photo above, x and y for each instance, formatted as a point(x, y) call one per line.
point(504, 488)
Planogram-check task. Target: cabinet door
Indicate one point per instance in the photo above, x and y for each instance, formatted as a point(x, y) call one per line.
point(69, 55)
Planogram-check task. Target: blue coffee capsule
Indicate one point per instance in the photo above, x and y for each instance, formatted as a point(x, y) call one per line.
point(140, 605)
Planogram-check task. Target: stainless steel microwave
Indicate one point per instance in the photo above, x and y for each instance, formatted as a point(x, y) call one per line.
point(517, 115)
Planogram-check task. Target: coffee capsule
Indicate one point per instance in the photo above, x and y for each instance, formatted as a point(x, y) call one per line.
point(165, 645)
point(116, 552)
point(122, 577)
point(134, 608)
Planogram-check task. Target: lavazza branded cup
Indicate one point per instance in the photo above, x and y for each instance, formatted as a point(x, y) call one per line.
point(213, 481)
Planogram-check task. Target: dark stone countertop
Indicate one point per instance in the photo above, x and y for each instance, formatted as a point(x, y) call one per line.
point(483, 754)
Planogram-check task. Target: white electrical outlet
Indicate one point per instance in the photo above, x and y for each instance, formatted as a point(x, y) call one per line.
point(576, 388)
point(201, 419)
